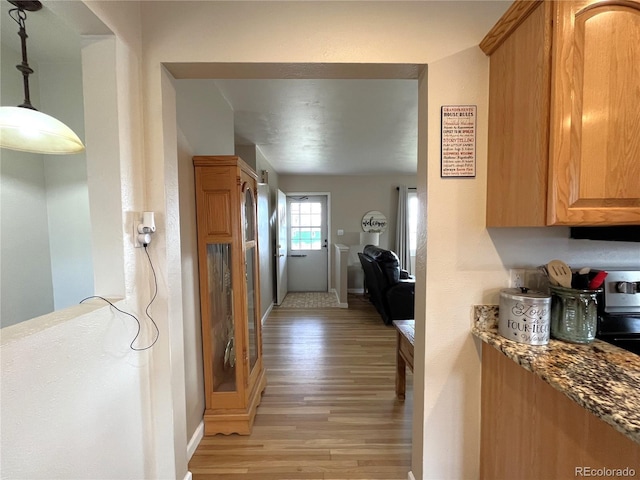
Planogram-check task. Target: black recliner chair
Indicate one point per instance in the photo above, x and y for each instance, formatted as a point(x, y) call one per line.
point(391, 289)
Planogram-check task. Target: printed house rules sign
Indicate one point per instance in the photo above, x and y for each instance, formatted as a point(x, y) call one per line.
point(458, 156)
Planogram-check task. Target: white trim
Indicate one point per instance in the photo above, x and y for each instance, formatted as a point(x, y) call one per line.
point(188, 476)
point(355, 290)
point(196, 438)
point(341, 305)
point(266, 314)
point(410, 476)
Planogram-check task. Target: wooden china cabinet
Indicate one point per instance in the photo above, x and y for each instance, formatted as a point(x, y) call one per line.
point(234, 375)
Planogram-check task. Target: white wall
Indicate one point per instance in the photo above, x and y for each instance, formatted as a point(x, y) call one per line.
point(462, 268)
point(24, 233)
point(210, 124)
point(268, 252)
point(27, 287)
point(199, 106)
point(76, 400)
point(73, 405)
point(193, 362)
point(67, 191)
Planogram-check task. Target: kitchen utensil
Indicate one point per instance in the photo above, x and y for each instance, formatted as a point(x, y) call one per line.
point(581, 279)
point(543, 269)
point(598, 280)
point(559, 273)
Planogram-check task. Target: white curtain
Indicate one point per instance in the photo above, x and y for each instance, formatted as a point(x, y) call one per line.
point(402, 229)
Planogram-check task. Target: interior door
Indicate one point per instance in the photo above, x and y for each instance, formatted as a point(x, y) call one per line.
point(308, 246)
point(281, 249)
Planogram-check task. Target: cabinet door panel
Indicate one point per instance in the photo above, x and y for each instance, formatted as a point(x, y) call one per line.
point(518, 125)
point(595, 146)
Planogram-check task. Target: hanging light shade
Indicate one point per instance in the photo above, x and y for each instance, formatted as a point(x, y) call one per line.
point(24, 128)
point(29, 130)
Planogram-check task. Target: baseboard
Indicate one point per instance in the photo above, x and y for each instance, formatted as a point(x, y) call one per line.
point(340, 304)
point(355, 290)
point(411, 477)
point(197, 436)
point(266, 314)
point(188, 476)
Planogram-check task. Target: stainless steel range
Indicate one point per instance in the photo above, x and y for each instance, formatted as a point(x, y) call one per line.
point(619, 318)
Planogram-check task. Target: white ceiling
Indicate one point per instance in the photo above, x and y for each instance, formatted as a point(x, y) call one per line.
point(328, 126)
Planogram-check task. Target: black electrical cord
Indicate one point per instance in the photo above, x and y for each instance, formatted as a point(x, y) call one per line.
point(146, 310)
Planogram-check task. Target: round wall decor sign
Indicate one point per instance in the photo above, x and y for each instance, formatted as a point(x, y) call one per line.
point(374, 221)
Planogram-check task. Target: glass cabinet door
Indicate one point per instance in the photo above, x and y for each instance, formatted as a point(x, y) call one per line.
point(253, 316)
point(249, 215)
point(223, 355)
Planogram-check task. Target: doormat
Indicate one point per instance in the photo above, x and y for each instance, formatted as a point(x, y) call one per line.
point(310, 300)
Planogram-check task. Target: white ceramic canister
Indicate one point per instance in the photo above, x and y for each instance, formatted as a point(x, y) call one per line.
point(524, 316)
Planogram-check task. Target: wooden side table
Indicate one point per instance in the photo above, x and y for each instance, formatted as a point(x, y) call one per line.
point(404, 353)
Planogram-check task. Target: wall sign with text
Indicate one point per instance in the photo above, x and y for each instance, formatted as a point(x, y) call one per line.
point(458, 154)
point(374, 221)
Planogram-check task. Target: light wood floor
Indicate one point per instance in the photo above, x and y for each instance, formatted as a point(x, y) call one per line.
point(329, 410)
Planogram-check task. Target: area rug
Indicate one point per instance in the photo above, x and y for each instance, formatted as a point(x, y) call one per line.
point(310, 300)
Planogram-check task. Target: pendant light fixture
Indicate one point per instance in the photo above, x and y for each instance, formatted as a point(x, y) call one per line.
point(23, 127)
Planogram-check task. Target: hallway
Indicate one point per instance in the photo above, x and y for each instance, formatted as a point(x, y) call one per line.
point(329, 410)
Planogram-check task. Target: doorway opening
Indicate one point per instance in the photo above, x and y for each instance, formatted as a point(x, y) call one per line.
point(266, 71)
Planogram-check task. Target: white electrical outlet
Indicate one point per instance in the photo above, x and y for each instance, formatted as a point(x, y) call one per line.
point(517, 277)
point(136, 242)
point(144, 225)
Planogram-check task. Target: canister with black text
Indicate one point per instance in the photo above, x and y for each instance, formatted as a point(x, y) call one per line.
point(524, 316)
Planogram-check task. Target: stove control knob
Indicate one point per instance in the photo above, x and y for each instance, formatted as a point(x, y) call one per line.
point(628, 287)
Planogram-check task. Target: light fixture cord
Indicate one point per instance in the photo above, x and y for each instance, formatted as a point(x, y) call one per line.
point(19, 15)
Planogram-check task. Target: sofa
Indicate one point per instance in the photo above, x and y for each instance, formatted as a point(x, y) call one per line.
point(390, 289)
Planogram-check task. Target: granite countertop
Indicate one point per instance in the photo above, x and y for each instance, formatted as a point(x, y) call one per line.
point(600, 377)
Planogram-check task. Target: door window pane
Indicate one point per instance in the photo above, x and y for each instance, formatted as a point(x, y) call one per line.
point(306, 222)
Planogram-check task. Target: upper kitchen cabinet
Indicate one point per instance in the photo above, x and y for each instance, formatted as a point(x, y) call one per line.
point(564, 114)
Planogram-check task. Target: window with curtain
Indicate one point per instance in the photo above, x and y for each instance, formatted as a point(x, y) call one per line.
point(412, 220)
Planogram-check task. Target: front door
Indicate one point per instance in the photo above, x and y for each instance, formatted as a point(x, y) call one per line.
point(308, 246)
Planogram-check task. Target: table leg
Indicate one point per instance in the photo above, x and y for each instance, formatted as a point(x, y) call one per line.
point(401, 371)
